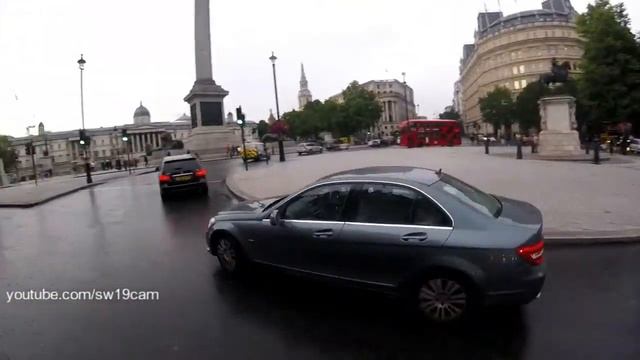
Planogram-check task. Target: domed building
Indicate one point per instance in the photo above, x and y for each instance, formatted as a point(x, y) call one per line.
point(141, 115)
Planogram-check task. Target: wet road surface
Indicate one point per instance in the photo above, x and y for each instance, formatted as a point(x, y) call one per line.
point(120, 235)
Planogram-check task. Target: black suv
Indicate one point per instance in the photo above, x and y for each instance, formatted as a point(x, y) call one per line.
point(182, 173)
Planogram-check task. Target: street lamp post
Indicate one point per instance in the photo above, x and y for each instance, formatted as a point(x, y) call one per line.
point(406, 100)
point(273, 59)
point(87, 167)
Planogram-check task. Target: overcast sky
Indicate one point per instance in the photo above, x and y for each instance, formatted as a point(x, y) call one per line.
point(142, 50)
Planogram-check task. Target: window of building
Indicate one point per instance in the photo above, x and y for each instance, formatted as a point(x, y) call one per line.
point(523, 83)
point(59, 146)
point(390, 86)
point(516, 85)
point(104, 152)
point(521, 68)
point(513, 55)
point(514, 70)
point(378, 86)
point(102, 142)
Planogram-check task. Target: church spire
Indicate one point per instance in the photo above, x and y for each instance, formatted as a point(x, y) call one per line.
point(304, 95)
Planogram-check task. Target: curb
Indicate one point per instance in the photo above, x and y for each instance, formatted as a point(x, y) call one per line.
point(146, 172)
point(40, 202)
point(560, 239)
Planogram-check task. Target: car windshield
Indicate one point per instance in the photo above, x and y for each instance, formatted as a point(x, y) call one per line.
point(171, 166)
point(469, 195)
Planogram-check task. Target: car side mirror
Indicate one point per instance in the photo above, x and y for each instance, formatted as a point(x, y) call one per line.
point(274, 218)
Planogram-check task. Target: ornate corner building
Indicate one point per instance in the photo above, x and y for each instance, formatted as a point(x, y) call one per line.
point(513, 51)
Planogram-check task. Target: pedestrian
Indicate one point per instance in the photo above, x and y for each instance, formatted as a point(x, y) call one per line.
point(146, 160)
point(228, 151)
point(168, 153)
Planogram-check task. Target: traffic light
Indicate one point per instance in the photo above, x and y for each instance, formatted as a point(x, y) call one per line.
point(240, 117)
point(28, 149)
point(125, 137)
point(84, 138)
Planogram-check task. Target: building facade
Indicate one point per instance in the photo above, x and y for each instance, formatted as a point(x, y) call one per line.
point(60, 152)
point(513, 51)
point(304, 94)
point(396, 99)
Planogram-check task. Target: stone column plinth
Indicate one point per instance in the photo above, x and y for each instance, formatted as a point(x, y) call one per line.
point(558, 123)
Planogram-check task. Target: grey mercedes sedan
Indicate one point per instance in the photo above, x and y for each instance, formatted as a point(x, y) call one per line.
point(407, 230)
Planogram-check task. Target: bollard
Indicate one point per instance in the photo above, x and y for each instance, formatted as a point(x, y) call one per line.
point(596, 152)
point(519, 149)
point(486, 145)
point(587, 144)
point(611, 146)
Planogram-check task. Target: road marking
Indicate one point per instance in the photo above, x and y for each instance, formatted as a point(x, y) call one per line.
point(215, 181)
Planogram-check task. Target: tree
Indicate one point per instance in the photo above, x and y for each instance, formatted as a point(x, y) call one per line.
point(449, 113)
point(359, 111)
point(527, 111)
point(609, 86)
point(7, 153)
point(497, 109)
point(263, 128)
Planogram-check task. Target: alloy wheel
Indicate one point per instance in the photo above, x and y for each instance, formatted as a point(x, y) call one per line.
point(227, 255)
point(442, 299)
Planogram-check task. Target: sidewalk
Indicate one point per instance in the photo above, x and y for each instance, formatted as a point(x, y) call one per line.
point(579, 201)
point(27, 194)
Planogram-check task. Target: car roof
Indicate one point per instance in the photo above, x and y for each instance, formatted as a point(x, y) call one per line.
point(402, 174)
point(178, 157)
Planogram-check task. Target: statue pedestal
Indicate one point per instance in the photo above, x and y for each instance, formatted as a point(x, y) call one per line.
point(558, 122)
point(209, 135)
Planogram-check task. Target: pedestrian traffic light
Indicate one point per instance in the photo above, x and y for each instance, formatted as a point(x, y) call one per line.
point(125, 137)
point(240, 117)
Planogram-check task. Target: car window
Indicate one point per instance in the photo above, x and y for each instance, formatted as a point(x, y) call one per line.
point(469, 195)
point(427, 213)
point(393, 204)
point(171, 166)
point(323, 203)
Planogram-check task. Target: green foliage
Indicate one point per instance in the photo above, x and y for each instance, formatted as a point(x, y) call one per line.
point(263, 128)
point(527, 110)
point(498, 109)
point(609, 86)
point(359, 111)
point(449, 114)
point(7, 154)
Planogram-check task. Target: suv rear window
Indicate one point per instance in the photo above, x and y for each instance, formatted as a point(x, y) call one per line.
point(189, 164)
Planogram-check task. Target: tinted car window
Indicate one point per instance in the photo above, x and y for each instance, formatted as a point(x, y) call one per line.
point(381, 204)
point(393, 204)
point(469, 195)
point(323, 203)
point(427, 213)
point(182, 165)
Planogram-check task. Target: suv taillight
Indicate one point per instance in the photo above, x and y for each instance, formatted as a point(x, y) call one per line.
point(201, 173)
point(164, 178)
point(532, 254)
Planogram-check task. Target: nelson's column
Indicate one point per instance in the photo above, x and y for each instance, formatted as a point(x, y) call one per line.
point(209, 135)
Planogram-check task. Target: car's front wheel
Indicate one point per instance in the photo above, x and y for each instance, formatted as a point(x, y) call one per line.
point(230, 255)
point(444, 299)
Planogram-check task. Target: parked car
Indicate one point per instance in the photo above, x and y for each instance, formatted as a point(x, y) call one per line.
point(634, 146)
point(344, 146)
point(331, 145)
point(309, 148)
point(374, 143)
point(181, 173)
point(412, 231)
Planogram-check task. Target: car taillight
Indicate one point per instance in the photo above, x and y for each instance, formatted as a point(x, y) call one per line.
point(201, 173)
point(532, 254)
point(164, 178)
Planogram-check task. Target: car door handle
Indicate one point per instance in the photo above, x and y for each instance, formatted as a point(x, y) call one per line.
point(325, 233)
point(418, 236)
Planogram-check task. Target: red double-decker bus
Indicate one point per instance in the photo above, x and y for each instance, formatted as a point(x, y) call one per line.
point(423, 132)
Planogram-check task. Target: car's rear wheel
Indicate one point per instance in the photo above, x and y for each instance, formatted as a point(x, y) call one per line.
point(445, 299)
point(230, 255)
